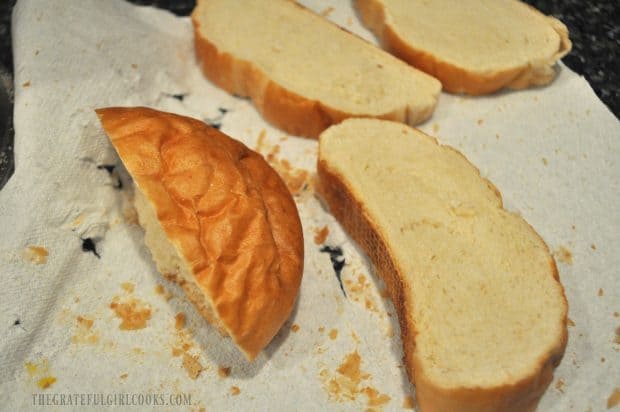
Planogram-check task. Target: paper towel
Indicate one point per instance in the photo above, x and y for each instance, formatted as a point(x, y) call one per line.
point(553, 152)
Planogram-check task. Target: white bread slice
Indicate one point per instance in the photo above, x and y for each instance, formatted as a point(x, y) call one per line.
point(472, 46)
point(302, 72)
point(217, 218)
point(481, 308)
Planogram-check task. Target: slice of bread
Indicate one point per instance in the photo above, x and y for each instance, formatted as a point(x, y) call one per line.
point(218, 219)
point(481, 309)
point(473, 46)
point(302, 72)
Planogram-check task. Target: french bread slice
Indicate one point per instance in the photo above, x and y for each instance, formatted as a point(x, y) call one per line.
point(472, 46)
point(217, 218)
point(481, 309)
point(302, 72)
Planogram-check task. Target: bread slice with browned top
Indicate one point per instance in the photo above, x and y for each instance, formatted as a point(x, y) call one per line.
point(302, 72)
point(471, 46)
point(480, 305)
point(218, 220)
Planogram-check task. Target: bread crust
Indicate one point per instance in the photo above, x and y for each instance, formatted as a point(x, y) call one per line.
point(226, 211)
point(457, 79)
point(289, 111)
point(520, 396)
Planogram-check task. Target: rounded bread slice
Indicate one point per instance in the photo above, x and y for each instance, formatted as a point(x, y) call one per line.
point(218, 219)
point(302, 72)
point(480, 305)
point(472, 46)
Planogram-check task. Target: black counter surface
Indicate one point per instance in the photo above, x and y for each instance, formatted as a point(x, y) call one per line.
point(594, 28)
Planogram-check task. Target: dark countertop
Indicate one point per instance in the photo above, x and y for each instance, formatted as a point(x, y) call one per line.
point(593, 27)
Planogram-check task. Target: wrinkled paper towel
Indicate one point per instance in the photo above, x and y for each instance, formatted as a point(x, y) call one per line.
point(554, 153)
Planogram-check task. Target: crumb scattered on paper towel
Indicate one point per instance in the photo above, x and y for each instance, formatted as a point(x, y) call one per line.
point(160, 290)
point(600, 292)
point(559, 385)
point(84, 332)
point(333, 334)
point(128, 287)
point(564, 255)
point(297, 180)
point(191, 365)
point(40, 372)
point(124, 376)
point(320, 235)
point(179, 321)
point(294, 327)
point(234, 391)
point(134, 313)
point(344, 384)
point(223, 371)
point(617, 339)
point(409, 402)
point(130, 215)
point(570, 322)
point(614, 398)
point(360, 292)
point(36, 254)
point(326, 11)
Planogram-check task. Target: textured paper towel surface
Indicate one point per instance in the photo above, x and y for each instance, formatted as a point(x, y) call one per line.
point(553, 153)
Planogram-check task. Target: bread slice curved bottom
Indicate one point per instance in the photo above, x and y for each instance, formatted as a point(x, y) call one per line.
point(521, 393)
point(456, 79)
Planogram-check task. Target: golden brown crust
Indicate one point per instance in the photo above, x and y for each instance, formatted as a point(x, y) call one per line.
point(226, 211)
point(522, 396)
point(281, 107)
point(456, 79)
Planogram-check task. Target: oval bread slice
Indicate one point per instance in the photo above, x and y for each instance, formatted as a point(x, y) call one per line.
point(481, 308)
point(471, 46)
point(302, 72)
point(218, 219)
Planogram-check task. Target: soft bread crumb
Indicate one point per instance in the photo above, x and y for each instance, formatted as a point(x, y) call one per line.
point(36, 254)
point(179, 321)
point(134, 313)
point(564, 255)
point(234, 390)
point(192, 366)
point(223, 371)
point(320, 235)
point(83, 332)
point(46, 382)
point(614, 398)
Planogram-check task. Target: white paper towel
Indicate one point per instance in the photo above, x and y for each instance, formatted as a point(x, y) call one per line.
point(553, 152)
